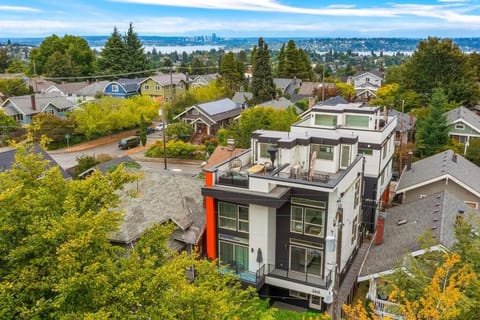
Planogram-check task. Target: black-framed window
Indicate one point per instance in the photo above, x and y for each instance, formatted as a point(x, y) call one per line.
point(324, 152)
point(233, 217)
point(306, 260)
point(307, 217)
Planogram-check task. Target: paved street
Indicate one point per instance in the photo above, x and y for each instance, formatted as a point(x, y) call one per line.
point(68, 158)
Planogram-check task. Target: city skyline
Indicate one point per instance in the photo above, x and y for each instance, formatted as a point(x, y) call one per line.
point(243, 18)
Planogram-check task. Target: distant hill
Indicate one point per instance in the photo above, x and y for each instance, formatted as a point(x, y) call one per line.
point(318, 44)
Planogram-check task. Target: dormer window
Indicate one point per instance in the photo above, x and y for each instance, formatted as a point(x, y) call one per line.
point(114, 88)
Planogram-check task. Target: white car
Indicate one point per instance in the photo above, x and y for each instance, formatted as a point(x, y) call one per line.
point(159, 127)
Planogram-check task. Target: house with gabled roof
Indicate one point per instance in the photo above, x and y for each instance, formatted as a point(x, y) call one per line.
point(23, 108)
point(208, 117)
point(40, 84)
point(464, 125)
point(443, 171)
point(123, 87)
point(281, 103)
point(397, 234)
point(92, 91)
point(366, 84)
point(241, 98)
point(287, 85)
point(162, 197)
point(67, 89)
point(203, 80)
point(166, 86)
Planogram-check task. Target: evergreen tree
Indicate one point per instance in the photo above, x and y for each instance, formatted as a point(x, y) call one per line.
point(432, 132)
point(198, 67)
point(305, 70)
point(112, 58)
point(291, 60)
point(136, 59)
point(232, 72)
point(281, 63)
point(263, 88)
point(3, 59)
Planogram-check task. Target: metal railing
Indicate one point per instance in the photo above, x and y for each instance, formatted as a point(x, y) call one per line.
point(257, 278)
point(384, 308)
point(232, 178)
point(302, 277)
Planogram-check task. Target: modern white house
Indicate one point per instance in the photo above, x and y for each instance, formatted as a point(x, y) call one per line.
point(376, 142)
point(285, 214)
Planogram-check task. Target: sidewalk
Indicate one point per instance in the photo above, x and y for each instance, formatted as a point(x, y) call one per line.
point(97, 142)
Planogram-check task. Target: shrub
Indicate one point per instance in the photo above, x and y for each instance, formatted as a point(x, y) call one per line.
point(177, 149)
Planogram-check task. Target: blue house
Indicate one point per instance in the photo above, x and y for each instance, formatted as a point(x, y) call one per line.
point(123, 87)
point(23, 108)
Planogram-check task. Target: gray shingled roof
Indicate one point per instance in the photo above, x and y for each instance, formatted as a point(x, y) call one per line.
point(408, 123)
point(438, 165)
point(464, 114)
point(374, 72)
point(130, 85)
point(92, 89)
point(162, 196)
point(436, 213)
point(242, 97)
point(282, 83)
point(7, 158)
point(42, 100)
point(71, 87)
point(281, 103)
point(333, 101)
point(165, 79)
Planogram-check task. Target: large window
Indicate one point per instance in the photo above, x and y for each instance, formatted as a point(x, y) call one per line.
point(354, 229)
point(307, 217)
point(356, 121)
point(306, 260)
point(324, 152)
point(356, 200)
point(233, 254)
point(233, 217)
point(263, 149)
point(365, 151)
point(325, 120)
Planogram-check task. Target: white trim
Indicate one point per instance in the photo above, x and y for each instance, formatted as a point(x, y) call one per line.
point(13, 105)
point(436, 179)
point(465, 122)
point(196, 108)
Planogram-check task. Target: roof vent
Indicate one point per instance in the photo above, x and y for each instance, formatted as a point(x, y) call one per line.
point(439, 196)
point(437, 204)
point(401, 222)
point(436, 211)
point(434, 227)
point(435, 220)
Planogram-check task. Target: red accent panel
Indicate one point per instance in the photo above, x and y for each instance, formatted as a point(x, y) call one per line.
point(208, 179)
point(380, 229)
point(211, 228)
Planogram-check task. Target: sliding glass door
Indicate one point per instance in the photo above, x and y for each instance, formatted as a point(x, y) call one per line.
point(306, 260)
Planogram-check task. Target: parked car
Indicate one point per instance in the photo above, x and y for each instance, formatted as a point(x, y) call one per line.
point(129, 142)
point(149, 131)
point(159, 127)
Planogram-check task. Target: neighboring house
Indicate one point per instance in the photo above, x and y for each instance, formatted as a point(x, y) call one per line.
point(464, 125)
point(164, 86)
point(23, 108)
point(285, 214)
point(280, 104)
point(241, 98)
point(162, 196)
point(208, 117)
point(366, 84)
point(203, 80)
point(397, 235)
point(39, 85)
point(443, 171)
point(92, 91)
point(405, 126)
point(221, 154)
point(7, 159)
point(67, 89)
point(123, 88)
point(287, 86)
point(314, 89)
point(376, 136)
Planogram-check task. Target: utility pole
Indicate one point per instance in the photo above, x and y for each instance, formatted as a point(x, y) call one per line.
point(323, 83)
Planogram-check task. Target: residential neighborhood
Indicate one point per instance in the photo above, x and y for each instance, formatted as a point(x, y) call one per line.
point(264, 186)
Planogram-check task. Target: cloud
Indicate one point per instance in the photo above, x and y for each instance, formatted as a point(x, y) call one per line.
point(18, 9)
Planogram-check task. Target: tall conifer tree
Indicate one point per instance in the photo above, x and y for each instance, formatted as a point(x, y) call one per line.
point(263, 88)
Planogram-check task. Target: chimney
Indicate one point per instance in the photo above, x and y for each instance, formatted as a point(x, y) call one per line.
point(454, 157)
point(380, 229)
point(33, 102)
point(230, 144)
point(409, 160)
point(88, 81)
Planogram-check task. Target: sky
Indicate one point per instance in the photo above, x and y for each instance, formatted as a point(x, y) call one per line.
point(242, 18)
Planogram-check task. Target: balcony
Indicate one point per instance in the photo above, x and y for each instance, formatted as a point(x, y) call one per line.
point(256, 279)
point(232, 178)
point(305, 278)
